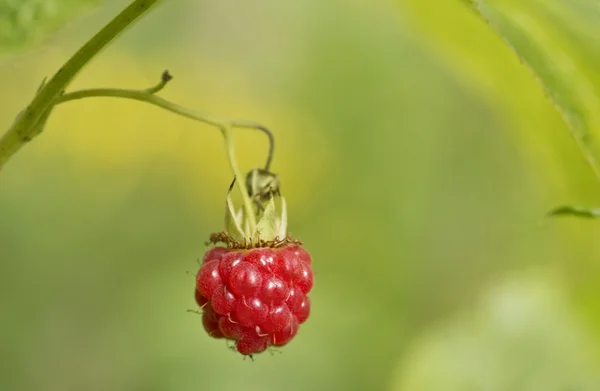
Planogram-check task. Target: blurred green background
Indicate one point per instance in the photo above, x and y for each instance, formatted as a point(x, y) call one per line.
point(418, 158)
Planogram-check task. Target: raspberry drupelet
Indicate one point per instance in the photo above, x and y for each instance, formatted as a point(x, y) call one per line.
point(257, 297)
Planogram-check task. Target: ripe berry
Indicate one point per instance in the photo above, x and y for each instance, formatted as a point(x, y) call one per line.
point(254, 290)
point(211, 323)
point(256, 297)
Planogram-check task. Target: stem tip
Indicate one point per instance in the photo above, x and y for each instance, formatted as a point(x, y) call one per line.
point(166, 76)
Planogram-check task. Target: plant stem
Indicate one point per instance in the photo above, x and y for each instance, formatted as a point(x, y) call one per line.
point(148, 96)
point(141, 96)
point(25, 128)
point(229, 145)
point(254, 125)
point(226, 125)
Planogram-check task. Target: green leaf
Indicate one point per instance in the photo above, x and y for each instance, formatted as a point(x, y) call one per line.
point(558, 41)
point(25, 23)
point(577, 211)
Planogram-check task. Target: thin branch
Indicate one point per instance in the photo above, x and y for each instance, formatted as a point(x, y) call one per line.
point(578, 211)
point(148, 95)
point(229, 146)
point(142, 96)
point(164, 79)
point(254, 125)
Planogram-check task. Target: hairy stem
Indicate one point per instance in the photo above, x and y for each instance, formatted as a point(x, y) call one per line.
point(27, 125)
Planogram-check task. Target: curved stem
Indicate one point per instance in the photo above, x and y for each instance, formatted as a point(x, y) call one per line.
point(254, 125)
point(225, 125)
point(148, 96)
point(164, 79)
point(229, 145)
point(26, 127)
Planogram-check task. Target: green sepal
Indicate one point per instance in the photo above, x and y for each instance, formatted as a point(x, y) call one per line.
point(273, 223)
point(233, 219)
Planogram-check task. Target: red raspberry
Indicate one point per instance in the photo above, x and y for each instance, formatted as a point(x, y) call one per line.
point(256, 297)
point(214, 253)
point(211, 323)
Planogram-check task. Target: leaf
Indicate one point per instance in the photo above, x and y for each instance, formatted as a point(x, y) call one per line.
point(557, 41)
point(577, 211)
point(26, 23)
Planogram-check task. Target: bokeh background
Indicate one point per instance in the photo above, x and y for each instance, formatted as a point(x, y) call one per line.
point(418, 157)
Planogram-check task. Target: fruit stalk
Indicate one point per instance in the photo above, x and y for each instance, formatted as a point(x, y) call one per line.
point(225, 125)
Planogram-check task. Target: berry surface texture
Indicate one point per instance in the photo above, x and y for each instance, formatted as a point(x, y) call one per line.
point(256, 297)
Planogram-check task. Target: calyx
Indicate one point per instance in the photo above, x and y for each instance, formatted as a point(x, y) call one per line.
point(270, 213)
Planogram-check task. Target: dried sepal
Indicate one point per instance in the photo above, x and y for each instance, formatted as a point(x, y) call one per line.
point(270, 214)
point(233, 219)
point(272, 225)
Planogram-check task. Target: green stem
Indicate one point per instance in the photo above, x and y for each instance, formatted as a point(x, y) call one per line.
point(148, 96)
point(141, 96)
point(224, 124)
point(229, 145)
point(254, 125)
point(25, 128)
